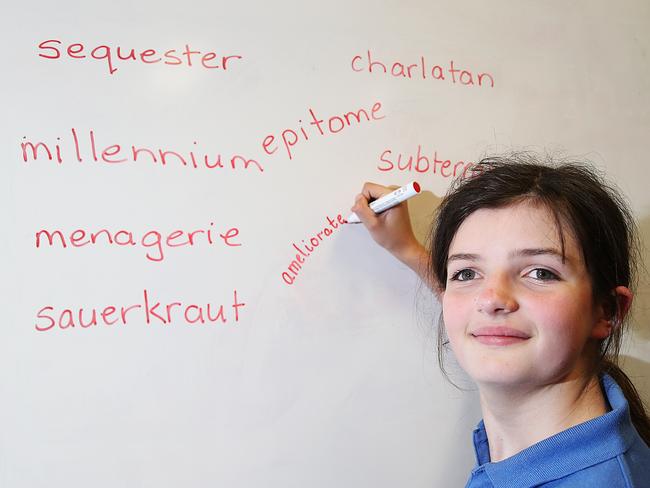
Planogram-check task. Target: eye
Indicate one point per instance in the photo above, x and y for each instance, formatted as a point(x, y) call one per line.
point(464, 275)
point(543, 274)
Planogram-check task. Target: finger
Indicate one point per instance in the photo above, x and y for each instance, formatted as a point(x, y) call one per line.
point(373, 191)
point(363, 210)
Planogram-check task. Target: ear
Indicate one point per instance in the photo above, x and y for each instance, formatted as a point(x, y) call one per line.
point(624, 298)
point(608, 318)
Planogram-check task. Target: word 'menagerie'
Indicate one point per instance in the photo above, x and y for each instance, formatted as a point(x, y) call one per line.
point(306, 249)
point(420, 69)
point(334, 124)
point(151, 239)
point(84, 147)
point(53, 49)
point(147, 310)
point(391, 161)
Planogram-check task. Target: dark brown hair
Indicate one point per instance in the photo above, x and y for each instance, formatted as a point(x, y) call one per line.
point(575, 194)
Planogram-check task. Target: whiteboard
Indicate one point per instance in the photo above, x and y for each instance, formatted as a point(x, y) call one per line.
point(187, 153)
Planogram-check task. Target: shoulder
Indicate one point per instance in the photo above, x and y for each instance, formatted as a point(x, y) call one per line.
point(630, 469)
point(635, 463)
point(622, 457)
point(604, 452)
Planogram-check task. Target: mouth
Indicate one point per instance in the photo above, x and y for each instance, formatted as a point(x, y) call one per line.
point(499, 336)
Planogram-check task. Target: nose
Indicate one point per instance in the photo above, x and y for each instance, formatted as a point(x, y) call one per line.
point(496, 296)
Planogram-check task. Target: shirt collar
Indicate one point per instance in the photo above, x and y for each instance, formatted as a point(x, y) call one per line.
point(577, 448)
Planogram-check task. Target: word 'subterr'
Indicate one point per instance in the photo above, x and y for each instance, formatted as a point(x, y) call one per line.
point(419, 162)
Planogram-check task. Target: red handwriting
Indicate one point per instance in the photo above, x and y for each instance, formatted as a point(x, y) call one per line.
point(421, 163)
point(85, 146)
point(420, 69)
point(307, 248)
point(114, 55)
point(154, 241)
point(148, 310)
point(318, 127)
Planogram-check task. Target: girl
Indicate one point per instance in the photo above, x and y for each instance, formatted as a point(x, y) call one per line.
point(533, 264)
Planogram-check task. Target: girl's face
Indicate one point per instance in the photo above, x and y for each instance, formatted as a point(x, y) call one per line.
point(517, 311)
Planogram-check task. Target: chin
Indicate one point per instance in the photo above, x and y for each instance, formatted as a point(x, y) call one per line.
point(499, 373)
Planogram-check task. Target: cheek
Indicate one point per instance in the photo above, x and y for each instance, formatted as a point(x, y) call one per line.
point(563, 312)
point(563, 324)
point(455, 314)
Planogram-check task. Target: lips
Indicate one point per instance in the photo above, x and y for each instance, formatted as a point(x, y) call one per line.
point(499, 336)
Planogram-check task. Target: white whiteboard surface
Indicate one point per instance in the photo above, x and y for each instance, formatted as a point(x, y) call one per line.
point(331, 380)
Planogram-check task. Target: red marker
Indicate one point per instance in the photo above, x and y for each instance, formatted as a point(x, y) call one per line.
point(389, 201)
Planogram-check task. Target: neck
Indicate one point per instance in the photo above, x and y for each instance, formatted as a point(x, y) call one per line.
point(518, 417)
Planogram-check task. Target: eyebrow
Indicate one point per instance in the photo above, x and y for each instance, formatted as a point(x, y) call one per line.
point(463, 257)
point(543, 251)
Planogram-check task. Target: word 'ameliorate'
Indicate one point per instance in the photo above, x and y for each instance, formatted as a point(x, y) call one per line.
point(334, 124)
point(420, 163)
point(53, 49)
point(146, 310)
point(306, 249)
point(84, 147)
point(154, 241)
point(419, 70)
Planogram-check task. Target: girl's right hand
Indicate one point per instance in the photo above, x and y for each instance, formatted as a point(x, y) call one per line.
point(391, 229)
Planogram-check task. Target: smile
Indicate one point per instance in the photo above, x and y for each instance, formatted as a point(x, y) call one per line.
point(499, 336)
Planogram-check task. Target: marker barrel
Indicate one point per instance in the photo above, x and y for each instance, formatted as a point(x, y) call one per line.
point(388, 201)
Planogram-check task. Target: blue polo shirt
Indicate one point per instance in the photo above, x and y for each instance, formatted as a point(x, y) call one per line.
point(606, 451)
